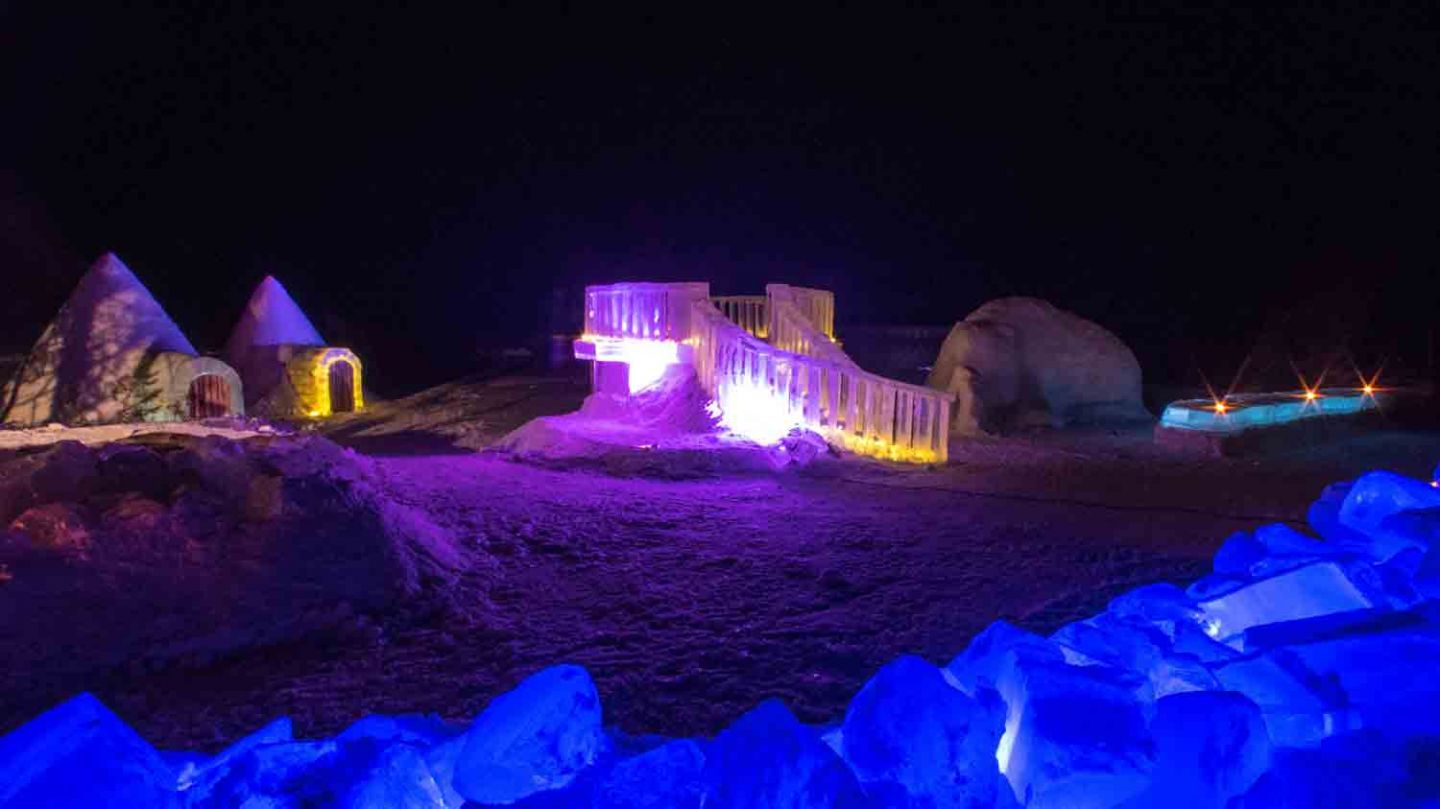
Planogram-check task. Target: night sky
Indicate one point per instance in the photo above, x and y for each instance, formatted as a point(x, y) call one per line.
point(423, 181)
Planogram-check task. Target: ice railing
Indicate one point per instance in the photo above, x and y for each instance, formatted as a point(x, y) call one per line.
point(645, 311)
point(817, 306)
point(763, 388)
point(802, 321)
point(749, 312)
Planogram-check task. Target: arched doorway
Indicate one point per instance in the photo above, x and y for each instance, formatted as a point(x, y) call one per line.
point(342, 387)
point(208, 398)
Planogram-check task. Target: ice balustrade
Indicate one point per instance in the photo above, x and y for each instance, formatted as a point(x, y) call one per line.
point(755, 380)
point(865, 413)
point(645, 311)
point(749, 312)
point(802, 321)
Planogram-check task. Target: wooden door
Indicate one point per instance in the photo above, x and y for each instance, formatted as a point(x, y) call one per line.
point(342, 387)
point(209, 397)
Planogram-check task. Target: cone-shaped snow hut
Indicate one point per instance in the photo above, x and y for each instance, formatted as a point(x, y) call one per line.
point(112, 354)
point(289, 371)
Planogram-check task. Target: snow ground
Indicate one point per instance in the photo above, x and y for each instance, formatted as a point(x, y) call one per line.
point(692, 600)
point(110, 433)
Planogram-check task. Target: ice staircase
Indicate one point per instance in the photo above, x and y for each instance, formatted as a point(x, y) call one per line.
point(770, 362)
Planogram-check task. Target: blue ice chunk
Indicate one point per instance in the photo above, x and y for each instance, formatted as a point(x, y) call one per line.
point(80, 754)
point(419, 730)
point(1284, 549)
point(1383, 677)
point(441, 760)
point(1159, 604)
point(372, 774)
point(1075, 736)
point(534, 738)
point(264, 775)
point(977, 668)
point(1351, 770)
point(1319, 588)
point(197, 779)
point(1209, 747)
point(668, 776)
point(362, 774)
point(1238, 554)
point(1191, 641)
point(1135, 647)
point(1378, 495)
point(1323, 517)
point(913, 740)
point(767, 758)
point(1298, 710)
point(1213, 585)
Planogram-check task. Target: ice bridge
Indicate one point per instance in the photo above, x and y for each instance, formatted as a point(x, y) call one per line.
point(769, 362)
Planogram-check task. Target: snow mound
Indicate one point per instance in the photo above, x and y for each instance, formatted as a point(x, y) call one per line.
point(1021, 362)
point(196, 547)
point(667, 430)
point(1296, 678)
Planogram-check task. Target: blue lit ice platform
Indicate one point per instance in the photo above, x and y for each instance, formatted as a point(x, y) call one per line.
point(1253, 420)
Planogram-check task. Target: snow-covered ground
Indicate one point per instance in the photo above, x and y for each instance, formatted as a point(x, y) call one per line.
point(693, 596)
point(12, 438)
point(692, 600)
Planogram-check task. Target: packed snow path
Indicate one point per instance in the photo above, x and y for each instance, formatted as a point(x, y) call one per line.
point(693, 600)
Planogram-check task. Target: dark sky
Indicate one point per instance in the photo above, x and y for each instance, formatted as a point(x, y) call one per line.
point(422, 180)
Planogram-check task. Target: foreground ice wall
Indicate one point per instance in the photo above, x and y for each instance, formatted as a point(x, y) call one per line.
point(1301, 672)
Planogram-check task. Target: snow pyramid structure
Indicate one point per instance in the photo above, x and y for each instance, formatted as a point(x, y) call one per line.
point(271, 318)
point(113, 354)
point(289, 370)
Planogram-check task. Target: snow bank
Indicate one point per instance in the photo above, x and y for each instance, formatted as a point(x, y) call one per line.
point(1298, 677)
point(191, 547)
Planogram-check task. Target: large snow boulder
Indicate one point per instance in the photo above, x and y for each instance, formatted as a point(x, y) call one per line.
point(1018, 362)
point(913, 740)
point(767, 758)
point(535, 738)
point(80, 754)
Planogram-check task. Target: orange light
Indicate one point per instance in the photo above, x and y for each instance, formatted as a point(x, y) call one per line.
point(1310, 395)
point(1369, 389)
point(1220, 407)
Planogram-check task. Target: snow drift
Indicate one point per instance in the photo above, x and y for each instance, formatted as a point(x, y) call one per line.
point(1225, 694)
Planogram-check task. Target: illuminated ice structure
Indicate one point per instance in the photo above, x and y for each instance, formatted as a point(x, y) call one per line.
point(1232, 414)
point(1299, 673)
point(770, 362)
point(288, 369)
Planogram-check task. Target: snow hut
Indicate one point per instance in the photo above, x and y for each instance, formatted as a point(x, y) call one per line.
point(113, 355)
point(289, 371)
